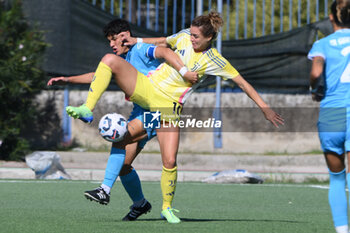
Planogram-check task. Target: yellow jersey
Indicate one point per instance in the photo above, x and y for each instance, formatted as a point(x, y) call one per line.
point(209, 62)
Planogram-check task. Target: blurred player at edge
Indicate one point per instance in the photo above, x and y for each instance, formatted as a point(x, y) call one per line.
point(330, 56)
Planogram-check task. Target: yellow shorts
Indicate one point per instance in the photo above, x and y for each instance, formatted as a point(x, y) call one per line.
point(151, 98)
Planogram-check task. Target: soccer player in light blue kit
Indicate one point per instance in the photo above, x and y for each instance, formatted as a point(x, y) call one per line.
point(143, 57)
point(331, 57)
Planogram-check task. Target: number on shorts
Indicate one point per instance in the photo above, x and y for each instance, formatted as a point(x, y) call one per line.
point(177, 108)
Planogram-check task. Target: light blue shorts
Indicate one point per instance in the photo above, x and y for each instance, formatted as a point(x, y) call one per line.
point(137, 113)
point(333, 130)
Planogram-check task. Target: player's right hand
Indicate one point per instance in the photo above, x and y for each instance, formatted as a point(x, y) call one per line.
point(191, 77)
point(275, 118)
point(57, 81)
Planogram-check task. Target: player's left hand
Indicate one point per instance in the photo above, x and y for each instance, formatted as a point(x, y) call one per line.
point(273, 117)
point(57, 81)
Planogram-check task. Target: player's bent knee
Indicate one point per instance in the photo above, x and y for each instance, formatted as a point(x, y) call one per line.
point(109, 59)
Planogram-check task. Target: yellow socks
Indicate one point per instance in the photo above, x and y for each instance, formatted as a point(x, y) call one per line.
point(168, 185)
point(98, 85)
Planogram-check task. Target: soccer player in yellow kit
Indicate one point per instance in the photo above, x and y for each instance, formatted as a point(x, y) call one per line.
point(165, 91)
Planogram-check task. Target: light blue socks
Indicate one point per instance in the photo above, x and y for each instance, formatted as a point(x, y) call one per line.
point(131, 181)
point(114, 165)
point(337, 198)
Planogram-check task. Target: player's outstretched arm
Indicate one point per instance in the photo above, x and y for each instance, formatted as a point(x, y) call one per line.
point(78, 79)
point(129, 40)
point(269, 114)
point(57, 81)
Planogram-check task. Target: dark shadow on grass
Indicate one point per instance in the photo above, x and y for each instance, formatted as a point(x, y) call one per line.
point(237, 220)
point(145, 220)
point(222, 220)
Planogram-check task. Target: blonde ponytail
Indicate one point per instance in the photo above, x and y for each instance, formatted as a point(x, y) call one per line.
point(215, 20)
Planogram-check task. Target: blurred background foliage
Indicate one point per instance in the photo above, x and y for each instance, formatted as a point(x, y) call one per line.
point(21, 79)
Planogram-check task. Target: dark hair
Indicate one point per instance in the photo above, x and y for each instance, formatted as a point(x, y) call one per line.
point(210, 24)
point(115, 27)
point(341, 12)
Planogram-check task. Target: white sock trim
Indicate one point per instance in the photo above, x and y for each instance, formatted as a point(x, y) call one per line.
point(342, 229)
point(106, 188)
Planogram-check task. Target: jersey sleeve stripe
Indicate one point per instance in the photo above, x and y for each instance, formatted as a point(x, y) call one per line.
point(187, 31)
point(216, 59)
point(220, 60)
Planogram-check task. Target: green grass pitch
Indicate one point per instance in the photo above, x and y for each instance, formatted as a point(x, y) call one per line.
point(59, 206)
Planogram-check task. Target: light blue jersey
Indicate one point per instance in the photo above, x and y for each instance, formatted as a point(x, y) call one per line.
point(335, 50)
point(142, 57)
point(333, 123)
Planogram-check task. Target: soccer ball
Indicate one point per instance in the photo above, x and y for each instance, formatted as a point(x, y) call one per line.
point(112, 127)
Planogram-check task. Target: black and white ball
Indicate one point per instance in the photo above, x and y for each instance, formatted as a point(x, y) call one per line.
point(113, 127)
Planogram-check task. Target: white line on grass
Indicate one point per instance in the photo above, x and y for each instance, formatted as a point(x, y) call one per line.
point(271, 185)
point(155, 182)
point(48, 181)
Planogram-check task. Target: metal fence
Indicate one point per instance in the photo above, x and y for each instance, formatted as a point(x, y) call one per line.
point(243, 18)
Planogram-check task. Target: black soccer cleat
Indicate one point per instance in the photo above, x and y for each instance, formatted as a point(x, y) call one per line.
point(136, 212)
point(98, 195)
